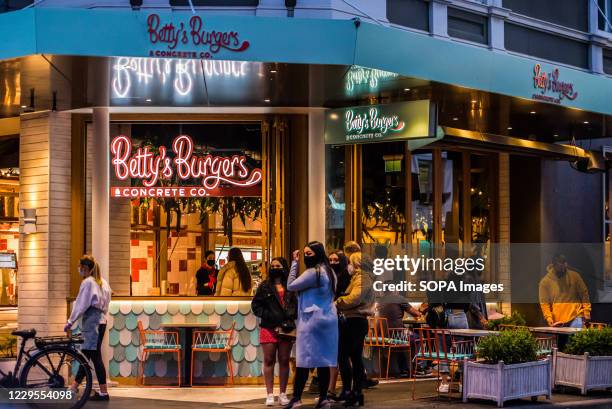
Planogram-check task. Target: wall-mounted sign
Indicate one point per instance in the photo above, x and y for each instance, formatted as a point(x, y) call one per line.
point(380, 123)
point(206, 42)
point(359, 77)
point(160, 172)
point(550, 87)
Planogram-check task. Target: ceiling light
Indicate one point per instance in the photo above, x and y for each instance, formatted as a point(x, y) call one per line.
point(532, 112)
point(509, 128)
point(586, 122)
point(272, 71)
point(556, 135)
point(148, 100)
point(267, 100)
point(333, 116)
point(406, 89)
point(455, 119)
point(474, 101)
point(24, 106)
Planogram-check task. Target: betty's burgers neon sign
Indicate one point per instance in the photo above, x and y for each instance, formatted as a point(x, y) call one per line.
point(218, 175)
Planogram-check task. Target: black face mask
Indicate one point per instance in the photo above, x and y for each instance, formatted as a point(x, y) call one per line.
point(310, 261)
point(211, 263)
point(276, 273)
point(336, 267)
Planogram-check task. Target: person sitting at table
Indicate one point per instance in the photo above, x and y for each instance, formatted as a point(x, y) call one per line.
point(234, 279)
point(564, 298)
point(206, 276)
point(277, 309)
point(392, 307)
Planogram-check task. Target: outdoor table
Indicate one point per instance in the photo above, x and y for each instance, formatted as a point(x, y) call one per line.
point(413, 322)
point(556, 330)
point(188, 328)
point(474, 333)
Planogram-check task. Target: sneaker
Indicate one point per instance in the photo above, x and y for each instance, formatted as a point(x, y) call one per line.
point(270, 400)
point(404, 374)
point(443, 388)
point(424, 373)
point(283, 399)
point(99, 398)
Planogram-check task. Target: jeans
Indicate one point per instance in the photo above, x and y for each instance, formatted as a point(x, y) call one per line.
point(456, 320)
point(575, 323)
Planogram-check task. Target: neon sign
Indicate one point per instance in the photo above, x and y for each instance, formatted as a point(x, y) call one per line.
point(193, 33)
point(155, 168)
point(180, 74)
point(359, 76)
point(371, 122)
point(549, 83)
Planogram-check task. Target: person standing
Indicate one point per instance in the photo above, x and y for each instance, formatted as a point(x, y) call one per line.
point(317, 324)
point(234, 279)
point(355, 305)
point(564, 298)
point(91, 305)
point(206, 276)
point(277, 309)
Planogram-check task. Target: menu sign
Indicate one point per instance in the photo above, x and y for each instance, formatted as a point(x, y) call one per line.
point(380, 123)
point(180, 172)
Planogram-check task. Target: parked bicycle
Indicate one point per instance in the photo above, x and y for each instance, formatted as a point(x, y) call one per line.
point(50, 366)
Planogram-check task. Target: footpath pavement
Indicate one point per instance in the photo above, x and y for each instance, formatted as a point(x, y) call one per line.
point(394, 395)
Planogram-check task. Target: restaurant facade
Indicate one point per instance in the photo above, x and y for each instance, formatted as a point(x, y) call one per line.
point(148, 137)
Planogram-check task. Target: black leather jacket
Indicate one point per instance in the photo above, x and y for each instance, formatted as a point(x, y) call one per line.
point(267, 306)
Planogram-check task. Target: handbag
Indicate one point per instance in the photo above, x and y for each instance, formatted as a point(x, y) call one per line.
point(287, 329)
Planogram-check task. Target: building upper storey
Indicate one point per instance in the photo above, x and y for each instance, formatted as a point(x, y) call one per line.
point(575, 33)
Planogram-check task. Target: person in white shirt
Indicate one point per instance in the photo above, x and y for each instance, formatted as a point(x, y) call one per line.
point(91, 305)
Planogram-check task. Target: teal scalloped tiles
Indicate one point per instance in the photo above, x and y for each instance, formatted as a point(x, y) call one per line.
point(149, 307)
point(244, 369)
point(125, 337)
point(220, 307)
point(113, 368)
point(244, 338)
point(161, 307)
point(131, 322)
point(250, 322)
point(209, 308)
point(185, 308)
point(256, 368)
point(125, 368)
point(238, 353)
point(226, 321)
point(135, 338)
point(155, 322)
point(113, 308)
point(119, 322)
point(113, 337)
point(125, 308)
point(254, 337)
point(250, 353)
point(131, 353)
point(239, 320)
point(202, 319)
point(260, 356)
point(119, 353)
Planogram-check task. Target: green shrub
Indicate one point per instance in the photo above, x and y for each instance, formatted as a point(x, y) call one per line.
point(515, 319)
point(597, 342)
point(512, 347)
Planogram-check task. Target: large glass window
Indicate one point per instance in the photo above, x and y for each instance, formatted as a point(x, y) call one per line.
point(335, 196)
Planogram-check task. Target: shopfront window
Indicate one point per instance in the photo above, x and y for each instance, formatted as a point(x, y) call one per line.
point(169, 232)
point(422, 171)
point(335, 196)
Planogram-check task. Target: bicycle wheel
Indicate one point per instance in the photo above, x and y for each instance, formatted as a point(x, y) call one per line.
point(54, 369)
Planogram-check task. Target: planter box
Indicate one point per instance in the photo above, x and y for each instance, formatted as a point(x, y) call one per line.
point(501, 382)
point(582, 371)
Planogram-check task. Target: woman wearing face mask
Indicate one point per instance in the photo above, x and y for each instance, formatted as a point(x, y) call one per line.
point(317, 324)
point(277, 309)
point(206, 276)
point(91, 305)
point(356, 305)
point(339, 263)
point(234, 279)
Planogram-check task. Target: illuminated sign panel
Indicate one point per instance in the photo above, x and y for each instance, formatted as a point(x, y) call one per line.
point(549, 83)
point(179, 172)
point(380, 123)
point(361, 79)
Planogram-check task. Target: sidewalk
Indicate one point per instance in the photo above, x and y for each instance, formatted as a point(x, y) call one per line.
point(392, 395)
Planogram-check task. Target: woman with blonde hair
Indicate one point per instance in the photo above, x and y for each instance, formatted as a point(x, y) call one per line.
point(91, 306)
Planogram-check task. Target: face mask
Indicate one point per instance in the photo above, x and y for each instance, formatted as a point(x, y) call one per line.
point(277, 273)
point(335, 267)
point(82, 272)
point(310, 261)
point(211, 263)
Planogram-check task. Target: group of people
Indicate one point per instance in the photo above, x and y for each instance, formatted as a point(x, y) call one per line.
point(323, 310)
point(233, 279)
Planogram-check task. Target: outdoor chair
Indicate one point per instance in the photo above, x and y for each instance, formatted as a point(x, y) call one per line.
point(158, 342)
point(596, 325)
point(214, 341)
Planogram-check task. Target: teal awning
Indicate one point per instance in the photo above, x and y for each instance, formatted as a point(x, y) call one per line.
point(99, 32)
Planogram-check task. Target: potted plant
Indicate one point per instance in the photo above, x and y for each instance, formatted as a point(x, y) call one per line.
point(507, 368)
point(586, 362)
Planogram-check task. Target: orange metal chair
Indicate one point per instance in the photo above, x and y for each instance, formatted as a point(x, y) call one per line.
point(394, 340)
point(158, 342)
point(214, 341)
point(596, 325)
point(432, 346)
point(374, 338)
